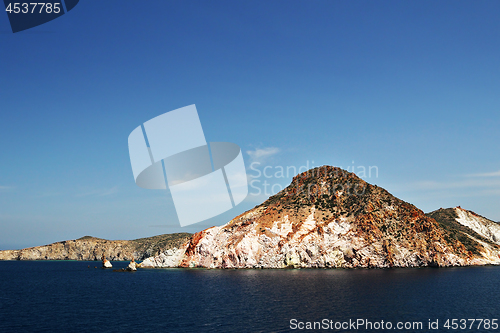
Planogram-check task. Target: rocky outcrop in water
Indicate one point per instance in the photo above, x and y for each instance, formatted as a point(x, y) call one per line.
point(132, 267)
point(92, 248)
point(329, 217)
point(105, 262)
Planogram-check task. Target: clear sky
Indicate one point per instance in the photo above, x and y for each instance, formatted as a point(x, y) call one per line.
point(410, 87)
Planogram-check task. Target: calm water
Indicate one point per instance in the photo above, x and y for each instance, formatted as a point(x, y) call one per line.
point(67, 296)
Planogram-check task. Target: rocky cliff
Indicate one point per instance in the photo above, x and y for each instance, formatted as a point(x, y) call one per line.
point(92, 248)
point(328, 217)
point(479, 235)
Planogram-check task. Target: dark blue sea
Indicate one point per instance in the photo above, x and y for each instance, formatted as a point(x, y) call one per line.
point(73, 296)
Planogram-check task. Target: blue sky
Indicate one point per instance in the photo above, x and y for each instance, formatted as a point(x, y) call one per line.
point(409, 87)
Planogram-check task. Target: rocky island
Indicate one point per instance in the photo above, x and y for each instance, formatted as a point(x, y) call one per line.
point(328, 217)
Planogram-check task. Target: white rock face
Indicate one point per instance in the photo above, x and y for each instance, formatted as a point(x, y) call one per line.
point(131, 266)
point(336, 244)
point(169, 258)
point(484, 227)
point(491, 255)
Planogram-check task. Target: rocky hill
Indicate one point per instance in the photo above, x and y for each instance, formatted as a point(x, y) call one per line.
point(92, 248)
point(328, 217)
point(479, 235)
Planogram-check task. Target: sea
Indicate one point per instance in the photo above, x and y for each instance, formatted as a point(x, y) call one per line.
point(79, 296)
